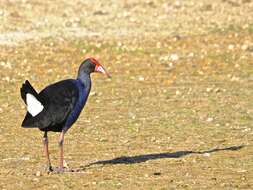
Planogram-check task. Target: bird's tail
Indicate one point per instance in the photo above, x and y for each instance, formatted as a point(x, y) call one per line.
point(27, 89)
point(33, 102)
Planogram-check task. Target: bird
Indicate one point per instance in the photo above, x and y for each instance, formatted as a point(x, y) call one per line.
point(57, 106)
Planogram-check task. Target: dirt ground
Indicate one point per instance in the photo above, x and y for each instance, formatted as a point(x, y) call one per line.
point(177, 113)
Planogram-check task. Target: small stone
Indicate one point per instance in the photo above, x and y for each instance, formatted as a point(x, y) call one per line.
point(158, 45)
point(246, 130)
point(6, 64)
point(174, 57)
point(250, 48)
point(157, 173)
point(242, 171)
point(153, 139)
point(141, 78)
point(209, 119)
point(201, 72)
point(98, 45)
point(164, 58)
point(208, 89)
point(103, 140)
point(126, 141)
point(191, 54)
point(5, 105)
point(178, 4)
point(36, 180)
point(54, 186)
point(100, 12)
point(234, 78)
point(244, 47)
point(38, 173)
point(177, 37)
point(132, 115)
point(217, 90)
point(206, 154)
point(77, 19)
point(93, 94)
point(6, 79)
point(25, 158)
point(68, 24)
point(65, 164)
point(178, 92)
point(1, 13)
point(132, 19)
point(231, 47)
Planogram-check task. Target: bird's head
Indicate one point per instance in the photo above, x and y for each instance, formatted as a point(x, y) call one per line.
point(91, 65)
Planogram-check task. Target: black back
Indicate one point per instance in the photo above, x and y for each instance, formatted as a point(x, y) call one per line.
point(58, 100)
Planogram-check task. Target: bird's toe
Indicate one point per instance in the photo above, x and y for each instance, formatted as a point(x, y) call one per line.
point(48, 168)
point(60, 170)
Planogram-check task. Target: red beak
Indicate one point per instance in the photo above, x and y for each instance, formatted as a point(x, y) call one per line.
point(99, 68)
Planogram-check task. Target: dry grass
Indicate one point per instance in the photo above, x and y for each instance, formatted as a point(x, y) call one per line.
point(177, 113)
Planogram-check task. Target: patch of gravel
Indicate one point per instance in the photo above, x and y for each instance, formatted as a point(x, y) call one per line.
point(13, 38)
point(23, 20)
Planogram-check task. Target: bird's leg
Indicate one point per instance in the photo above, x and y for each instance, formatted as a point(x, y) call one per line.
point(46, 152)
point(61, 140)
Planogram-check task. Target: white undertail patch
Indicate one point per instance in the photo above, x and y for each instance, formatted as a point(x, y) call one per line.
point(34, 107)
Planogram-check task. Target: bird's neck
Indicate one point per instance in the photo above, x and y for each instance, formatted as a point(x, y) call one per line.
point(85, 79)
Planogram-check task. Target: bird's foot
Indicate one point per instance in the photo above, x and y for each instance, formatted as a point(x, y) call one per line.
point(68, 170)
point(60, 170)
point(48, 168)
point(65, 164)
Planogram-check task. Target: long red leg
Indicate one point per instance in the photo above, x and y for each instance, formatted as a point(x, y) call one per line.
point(61, 140)
point(46, 152)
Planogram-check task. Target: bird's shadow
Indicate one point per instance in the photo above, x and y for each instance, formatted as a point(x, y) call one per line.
point(146, 157)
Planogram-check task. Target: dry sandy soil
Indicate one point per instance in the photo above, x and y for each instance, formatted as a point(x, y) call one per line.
point(177, 114)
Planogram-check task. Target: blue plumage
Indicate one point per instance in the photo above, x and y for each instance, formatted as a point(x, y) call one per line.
point(83, 93)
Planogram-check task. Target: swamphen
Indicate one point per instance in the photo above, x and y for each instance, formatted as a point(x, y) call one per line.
point(58, 105)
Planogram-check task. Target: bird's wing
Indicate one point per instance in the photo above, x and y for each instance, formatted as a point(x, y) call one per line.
point(58, 100)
